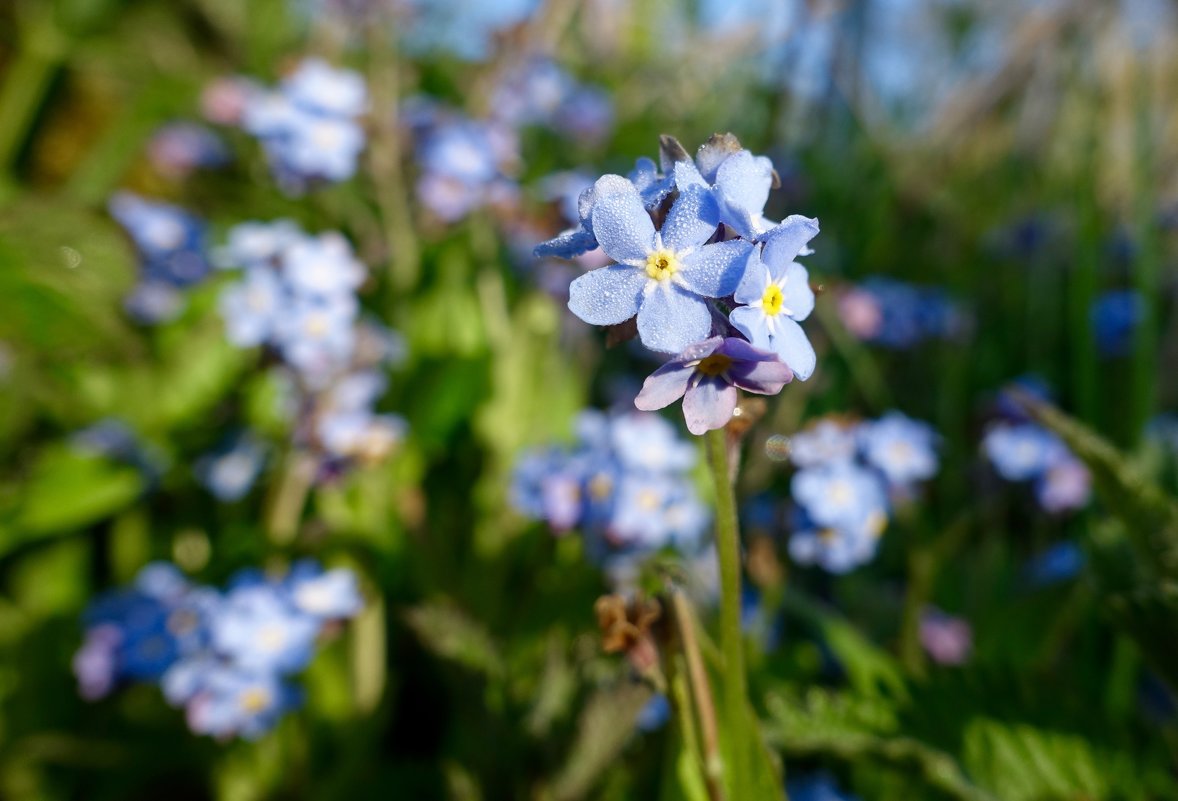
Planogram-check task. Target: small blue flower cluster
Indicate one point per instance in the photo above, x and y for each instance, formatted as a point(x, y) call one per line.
point(226, 657)
point(899, 315)
point(465, 163)
point(624, 485)
point(702, 270)
point(297, 296)
point(541, 92)
point(1021, 450)
point(310, 126)
point(850, 474)
point(171, 246)
point(817, 787)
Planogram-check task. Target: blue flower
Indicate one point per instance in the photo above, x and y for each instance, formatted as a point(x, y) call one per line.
point(664, 276)
point(327, 595)
point(236, 702)
point(252, 308)
point(740, 183)
point(654, 714)
point(1060, 562)
point(317, 338)
point(841, 548)
point(317, 86)
point(322, 267)
point(1021, 451)
point(707, 376)
point(824, 442)
point(839, 494)
point(775, 296)
point(1115, 317)
point(257, 244)
point(817, 787)
point(904, 450)
point(230, 473)
point(259, 630)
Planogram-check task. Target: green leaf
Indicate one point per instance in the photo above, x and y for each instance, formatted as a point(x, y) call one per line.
point(450, 633)
point(67, 489)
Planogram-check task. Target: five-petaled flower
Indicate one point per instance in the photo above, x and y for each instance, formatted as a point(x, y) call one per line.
point(662, 276)
point(707, 375)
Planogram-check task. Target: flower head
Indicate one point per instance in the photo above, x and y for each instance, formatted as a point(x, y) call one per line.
point(707, 376)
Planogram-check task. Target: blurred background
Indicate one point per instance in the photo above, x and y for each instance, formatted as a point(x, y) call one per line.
point(326, 432)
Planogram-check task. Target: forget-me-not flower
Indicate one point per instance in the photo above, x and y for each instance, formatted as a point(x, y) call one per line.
point(775, 295)
point(663, 277)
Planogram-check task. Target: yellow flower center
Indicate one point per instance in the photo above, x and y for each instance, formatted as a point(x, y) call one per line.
point(600, 487)
point(661, 265)
point(714, 365)
point(254, 699)
point(772, 299)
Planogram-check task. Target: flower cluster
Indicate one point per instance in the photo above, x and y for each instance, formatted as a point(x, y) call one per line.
point(624, 484)
point(1025, 451)
point(226, 657)
point(702, 271)
point(171, 246)
point(899, 315)
point(541, 92)
point(849, 476)
point(465, 163)
point(297, 296)
point(309, 127)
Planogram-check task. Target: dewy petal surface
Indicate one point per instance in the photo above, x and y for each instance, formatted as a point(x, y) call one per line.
point(692, 220)
point(797, 296)
point(671, 319)
point(716, 270)
point(745, 179)
point(709, 405)
point(607, 296)
point(794, 348)
point(785, 242)
point(664, 386)
point(620, 222)
point(752, 286)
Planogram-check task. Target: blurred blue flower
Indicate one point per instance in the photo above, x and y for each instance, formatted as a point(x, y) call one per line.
point(816, 787)
point(1060, 562)
point(464, 164)
point(654, 714)
point(839, 494)
point(178, 148)
point(899, 315)
point(624, 484)
point(309, 128)
point(1115, 317)
point(1021, 451)
point(775, 295)
point(231, 472)
point(251, 308)
point(222, 657)
point(707, 375)
point(903, 449)
point(824, 442)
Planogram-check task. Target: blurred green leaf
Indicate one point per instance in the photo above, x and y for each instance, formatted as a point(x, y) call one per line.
point(66, 489)
point(450, 633)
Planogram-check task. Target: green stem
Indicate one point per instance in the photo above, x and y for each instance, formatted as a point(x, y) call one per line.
point(731, 637)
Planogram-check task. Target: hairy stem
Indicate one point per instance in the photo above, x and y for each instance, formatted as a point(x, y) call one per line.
point(731, 638)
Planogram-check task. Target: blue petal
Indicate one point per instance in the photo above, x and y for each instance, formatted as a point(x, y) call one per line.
point(671, 319)
point(716, 270)
point(796, 294)
point(794, 348)
point(567, 245)
point(620, 222)
point(751, 323)
point(607, 296)
point(756, 277)
point(686, 175)
point(785, 242)
point(744, 180)
point(692, 220)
